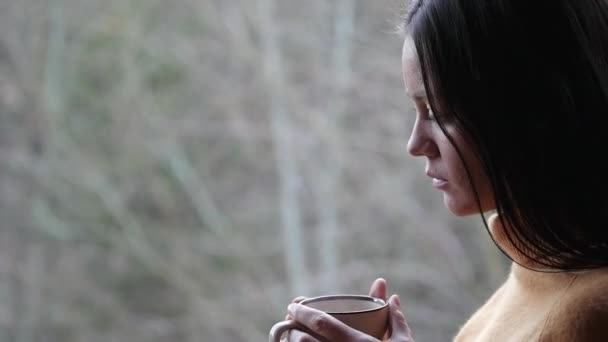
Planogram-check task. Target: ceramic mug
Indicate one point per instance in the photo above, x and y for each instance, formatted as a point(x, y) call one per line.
point(364, 313)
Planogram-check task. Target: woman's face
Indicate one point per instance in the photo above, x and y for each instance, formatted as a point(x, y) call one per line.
point(443, 164)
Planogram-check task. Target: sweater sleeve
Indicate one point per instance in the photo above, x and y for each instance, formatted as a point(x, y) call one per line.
point(581, 316)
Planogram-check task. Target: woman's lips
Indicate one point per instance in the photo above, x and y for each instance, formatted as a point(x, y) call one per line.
point(439, 183)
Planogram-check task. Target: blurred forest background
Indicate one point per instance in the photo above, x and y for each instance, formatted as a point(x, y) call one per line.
point(180, 170)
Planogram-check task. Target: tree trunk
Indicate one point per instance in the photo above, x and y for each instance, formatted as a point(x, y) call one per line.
point(331, 170)
point(284, 149)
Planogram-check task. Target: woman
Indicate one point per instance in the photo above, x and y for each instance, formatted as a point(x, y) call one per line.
point(511, 104)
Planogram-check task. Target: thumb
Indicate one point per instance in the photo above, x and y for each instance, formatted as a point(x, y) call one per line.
point(400, 330)
point(379, 289)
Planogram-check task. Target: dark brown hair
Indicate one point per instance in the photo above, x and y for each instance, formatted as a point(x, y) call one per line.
point(527, 82)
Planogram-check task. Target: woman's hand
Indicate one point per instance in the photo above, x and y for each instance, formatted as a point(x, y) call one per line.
point(331, 329)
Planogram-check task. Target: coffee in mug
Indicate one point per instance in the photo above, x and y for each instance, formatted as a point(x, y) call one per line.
point(364, 313)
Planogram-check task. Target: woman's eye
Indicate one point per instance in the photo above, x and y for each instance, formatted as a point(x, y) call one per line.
point(430, 113)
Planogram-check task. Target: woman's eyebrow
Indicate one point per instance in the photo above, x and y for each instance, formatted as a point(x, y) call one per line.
point(419, 97)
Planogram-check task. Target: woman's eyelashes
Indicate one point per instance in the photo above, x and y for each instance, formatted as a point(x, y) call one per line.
point(429, 113)
point(426, 112)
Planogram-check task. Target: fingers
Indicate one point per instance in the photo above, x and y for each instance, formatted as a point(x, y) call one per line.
point(379, 289)
point(298, 299)
point(324, 325)
point(298, 336)
point(400, 330)
point(295, 300)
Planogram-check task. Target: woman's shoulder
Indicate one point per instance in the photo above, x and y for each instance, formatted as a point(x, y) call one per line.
point(581, 312)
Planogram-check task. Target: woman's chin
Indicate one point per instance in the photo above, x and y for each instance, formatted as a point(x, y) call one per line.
point(466, 206)
point(460, 207)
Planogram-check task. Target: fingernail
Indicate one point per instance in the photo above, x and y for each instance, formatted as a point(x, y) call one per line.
point(397, 300)
point(291, 308)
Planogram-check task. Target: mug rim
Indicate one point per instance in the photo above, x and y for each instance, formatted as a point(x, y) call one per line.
point(383, 304)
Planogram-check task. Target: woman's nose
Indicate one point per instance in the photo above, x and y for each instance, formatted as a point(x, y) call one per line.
point(421, 143)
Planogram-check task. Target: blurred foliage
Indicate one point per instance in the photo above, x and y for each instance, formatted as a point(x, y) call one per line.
point(141, 186)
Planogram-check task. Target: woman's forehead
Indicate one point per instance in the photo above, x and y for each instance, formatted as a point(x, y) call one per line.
point(412, 75)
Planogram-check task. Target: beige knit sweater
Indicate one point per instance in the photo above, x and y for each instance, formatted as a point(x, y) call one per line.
point(539, 306)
